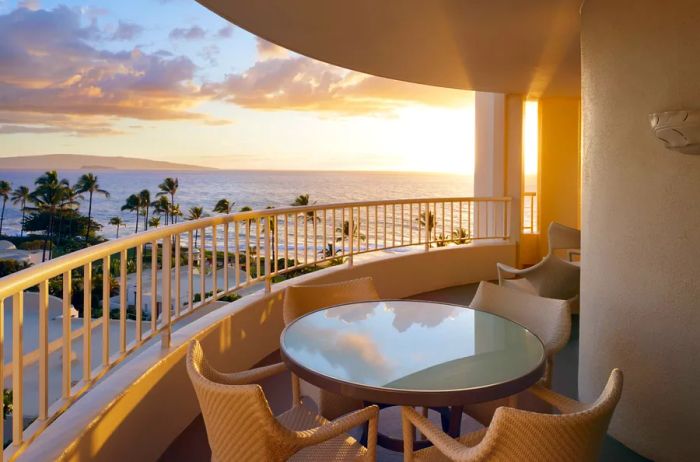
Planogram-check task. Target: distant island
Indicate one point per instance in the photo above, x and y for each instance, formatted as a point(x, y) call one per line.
point(96, 167)
point(82, 162)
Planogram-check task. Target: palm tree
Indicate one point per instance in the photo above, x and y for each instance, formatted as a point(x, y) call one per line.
point(195, 213)
point(118, 222)
point(161, 206)
point(21, 196)
point(461, 236)
point(430, 222)
point(48, 198)
point(302, 200)
point(175, 211)
point(145, 204)
point(87, 183)
point(5, 189)
point(344, 232)
point(154, 222)
point(169, 186)
point(133, 204)
point(224, 206)
point(71, 201)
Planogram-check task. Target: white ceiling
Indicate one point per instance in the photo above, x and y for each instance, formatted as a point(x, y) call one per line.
point(510, 46)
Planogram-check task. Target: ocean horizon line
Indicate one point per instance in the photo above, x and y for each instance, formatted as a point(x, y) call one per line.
point(205, 170)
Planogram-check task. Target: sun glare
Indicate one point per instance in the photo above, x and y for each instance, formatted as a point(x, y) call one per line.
point(438, 139)
point(531, 138)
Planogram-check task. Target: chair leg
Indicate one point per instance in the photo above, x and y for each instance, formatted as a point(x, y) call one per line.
point(408, 431)
point(419, 435)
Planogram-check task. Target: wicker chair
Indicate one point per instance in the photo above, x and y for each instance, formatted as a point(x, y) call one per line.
point(240, 425)
point(573, 435)
point(552, 277)
point(547, 318)
point(299, 300)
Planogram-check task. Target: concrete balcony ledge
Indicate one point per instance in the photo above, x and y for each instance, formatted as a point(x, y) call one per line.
point(141, 407)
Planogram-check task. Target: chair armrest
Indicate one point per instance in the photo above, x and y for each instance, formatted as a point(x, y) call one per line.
point(503, 268)
point(339, 426)
point(453, 449)
point(251, 375)
point(561, 403)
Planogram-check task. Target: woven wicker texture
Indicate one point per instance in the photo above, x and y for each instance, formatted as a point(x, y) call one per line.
point(240, 425)
point(547, 318)
point(341, 447)
point(574, 435)
point(299, 300)
point(552, 277)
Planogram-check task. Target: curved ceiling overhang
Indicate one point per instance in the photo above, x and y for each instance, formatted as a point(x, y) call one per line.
point(529, 47)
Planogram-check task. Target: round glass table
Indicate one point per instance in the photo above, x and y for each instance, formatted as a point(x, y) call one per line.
point(413, 353)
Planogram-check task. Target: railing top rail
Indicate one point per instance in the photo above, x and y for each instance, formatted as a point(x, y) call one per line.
point(33, 275)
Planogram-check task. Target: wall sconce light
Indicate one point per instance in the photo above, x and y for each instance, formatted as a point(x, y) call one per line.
point(679, 130)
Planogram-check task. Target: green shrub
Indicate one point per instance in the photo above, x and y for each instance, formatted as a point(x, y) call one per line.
point(6, 402)
point(11, 266)
point(226, 298)
point(31, 245)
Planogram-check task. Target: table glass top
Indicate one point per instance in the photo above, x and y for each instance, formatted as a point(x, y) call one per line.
point(412, 346)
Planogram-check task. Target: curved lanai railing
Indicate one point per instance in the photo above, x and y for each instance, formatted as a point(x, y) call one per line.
point(206, 260)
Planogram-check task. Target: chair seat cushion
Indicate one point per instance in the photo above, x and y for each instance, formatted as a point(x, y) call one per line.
point(343, 447)
point(433, 454)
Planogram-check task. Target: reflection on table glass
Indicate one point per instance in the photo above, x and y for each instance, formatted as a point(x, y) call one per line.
point(412, 345)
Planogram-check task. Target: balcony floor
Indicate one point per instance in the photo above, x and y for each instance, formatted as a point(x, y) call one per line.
point(192, 445)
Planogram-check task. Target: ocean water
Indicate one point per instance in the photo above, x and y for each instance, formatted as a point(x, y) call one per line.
point(256, 189)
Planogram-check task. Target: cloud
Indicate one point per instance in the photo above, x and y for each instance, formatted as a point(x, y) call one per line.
point(126, 31)
point(32, 5)
point(268, 50)
point(52, 77)
point(209, 53)
point(225, 32)
point(13, 129)
point(56, 78)
point(280, 80)
point(191, 33)
point(217, 122)
point(302, 84)
point(38, 123)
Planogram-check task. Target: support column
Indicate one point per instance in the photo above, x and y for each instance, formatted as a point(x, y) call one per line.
point(640, 271)
point(514, 161)
point(489, 158)
point(498, 151)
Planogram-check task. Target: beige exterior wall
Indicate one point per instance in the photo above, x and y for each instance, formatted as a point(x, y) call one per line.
point(559, 165)
point(640, 287)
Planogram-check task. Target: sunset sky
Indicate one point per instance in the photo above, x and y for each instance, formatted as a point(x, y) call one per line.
point(170, 80)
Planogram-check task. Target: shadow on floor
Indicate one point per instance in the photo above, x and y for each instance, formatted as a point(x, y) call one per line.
point(192, 444)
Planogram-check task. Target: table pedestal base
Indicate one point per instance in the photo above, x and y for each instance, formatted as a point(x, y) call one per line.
point(451, 419)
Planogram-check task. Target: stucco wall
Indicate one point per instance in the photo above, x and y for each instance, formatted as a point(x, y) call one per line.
point(640, 287)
